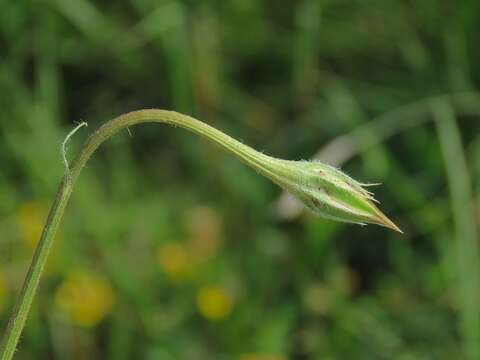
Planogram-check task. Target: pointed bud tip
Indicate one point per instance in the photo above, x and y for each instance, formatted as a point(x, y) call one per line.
point(394, 227)
point(386, 222)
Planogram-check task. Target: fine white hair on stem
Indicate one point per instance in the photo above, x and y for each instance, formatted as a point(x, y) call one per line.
point(64, 145)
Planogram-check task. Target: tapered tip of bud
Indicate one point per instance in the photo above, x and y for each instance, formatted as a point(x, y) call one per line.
point(384, 221)
point(330, 193)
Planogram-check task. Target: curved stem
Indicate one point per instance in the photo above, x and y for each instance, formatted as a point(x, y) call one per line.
point(256, 160)
point(324, 189)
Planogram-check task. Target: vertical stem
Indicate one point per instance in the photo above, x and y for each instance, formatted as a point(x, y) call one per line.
point(466, 234)
point(30, 285)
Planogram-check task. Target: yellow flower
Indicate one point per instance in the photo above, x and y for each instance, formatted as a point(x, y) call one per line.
point(85, 298)
point(175, 260)
point(261, 356)
point(214, 303)
point(30, 219)
point(3, 292)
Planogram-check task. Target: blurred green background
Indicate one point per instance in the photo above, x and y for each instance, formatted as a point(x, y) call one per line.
point(172, 249)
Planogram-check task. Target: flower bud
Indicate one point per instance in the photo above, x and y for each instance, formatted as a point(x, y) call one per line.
point(327, 191)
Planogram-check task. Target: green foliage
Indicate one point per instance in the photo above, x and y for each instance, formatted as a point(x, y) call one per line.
point(159, 216)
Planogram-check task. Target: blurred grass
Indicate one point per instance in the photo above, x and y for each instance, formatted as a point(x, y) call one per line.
point(353, 81)
point(465, 227)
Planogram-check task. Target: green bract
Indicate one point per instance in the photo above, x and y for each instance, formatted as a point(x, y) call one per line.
point(327, 191)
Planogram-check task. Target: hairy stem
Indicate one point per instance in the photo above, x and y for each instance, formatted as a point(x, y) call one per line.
point(322, 188)
point(32, 279)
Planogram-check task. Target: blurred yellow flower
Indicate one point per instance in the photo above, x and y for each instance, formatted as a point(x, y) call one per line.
point(214, 303)
point(175, 260)
point(30, 219)
point(261, 356)
point(3, 292)
point(205, 228)
point(85, 298)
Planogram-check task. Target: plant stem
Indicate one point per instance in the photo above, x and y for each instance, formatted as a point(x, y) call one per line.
point(32, 279)
point(30, 284)
point(325, 190)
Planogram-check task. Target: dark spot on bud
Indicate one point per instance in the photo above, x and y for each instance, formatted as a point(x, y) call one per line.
point(315, 202)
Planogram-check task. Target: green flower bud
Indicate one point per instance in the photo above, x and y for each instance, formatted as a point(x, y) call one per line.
point(327, 191)
point(322, 188)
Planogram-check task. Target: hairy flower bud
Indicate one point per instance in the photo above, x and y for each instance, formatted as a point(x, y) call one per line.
point(327, 191)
